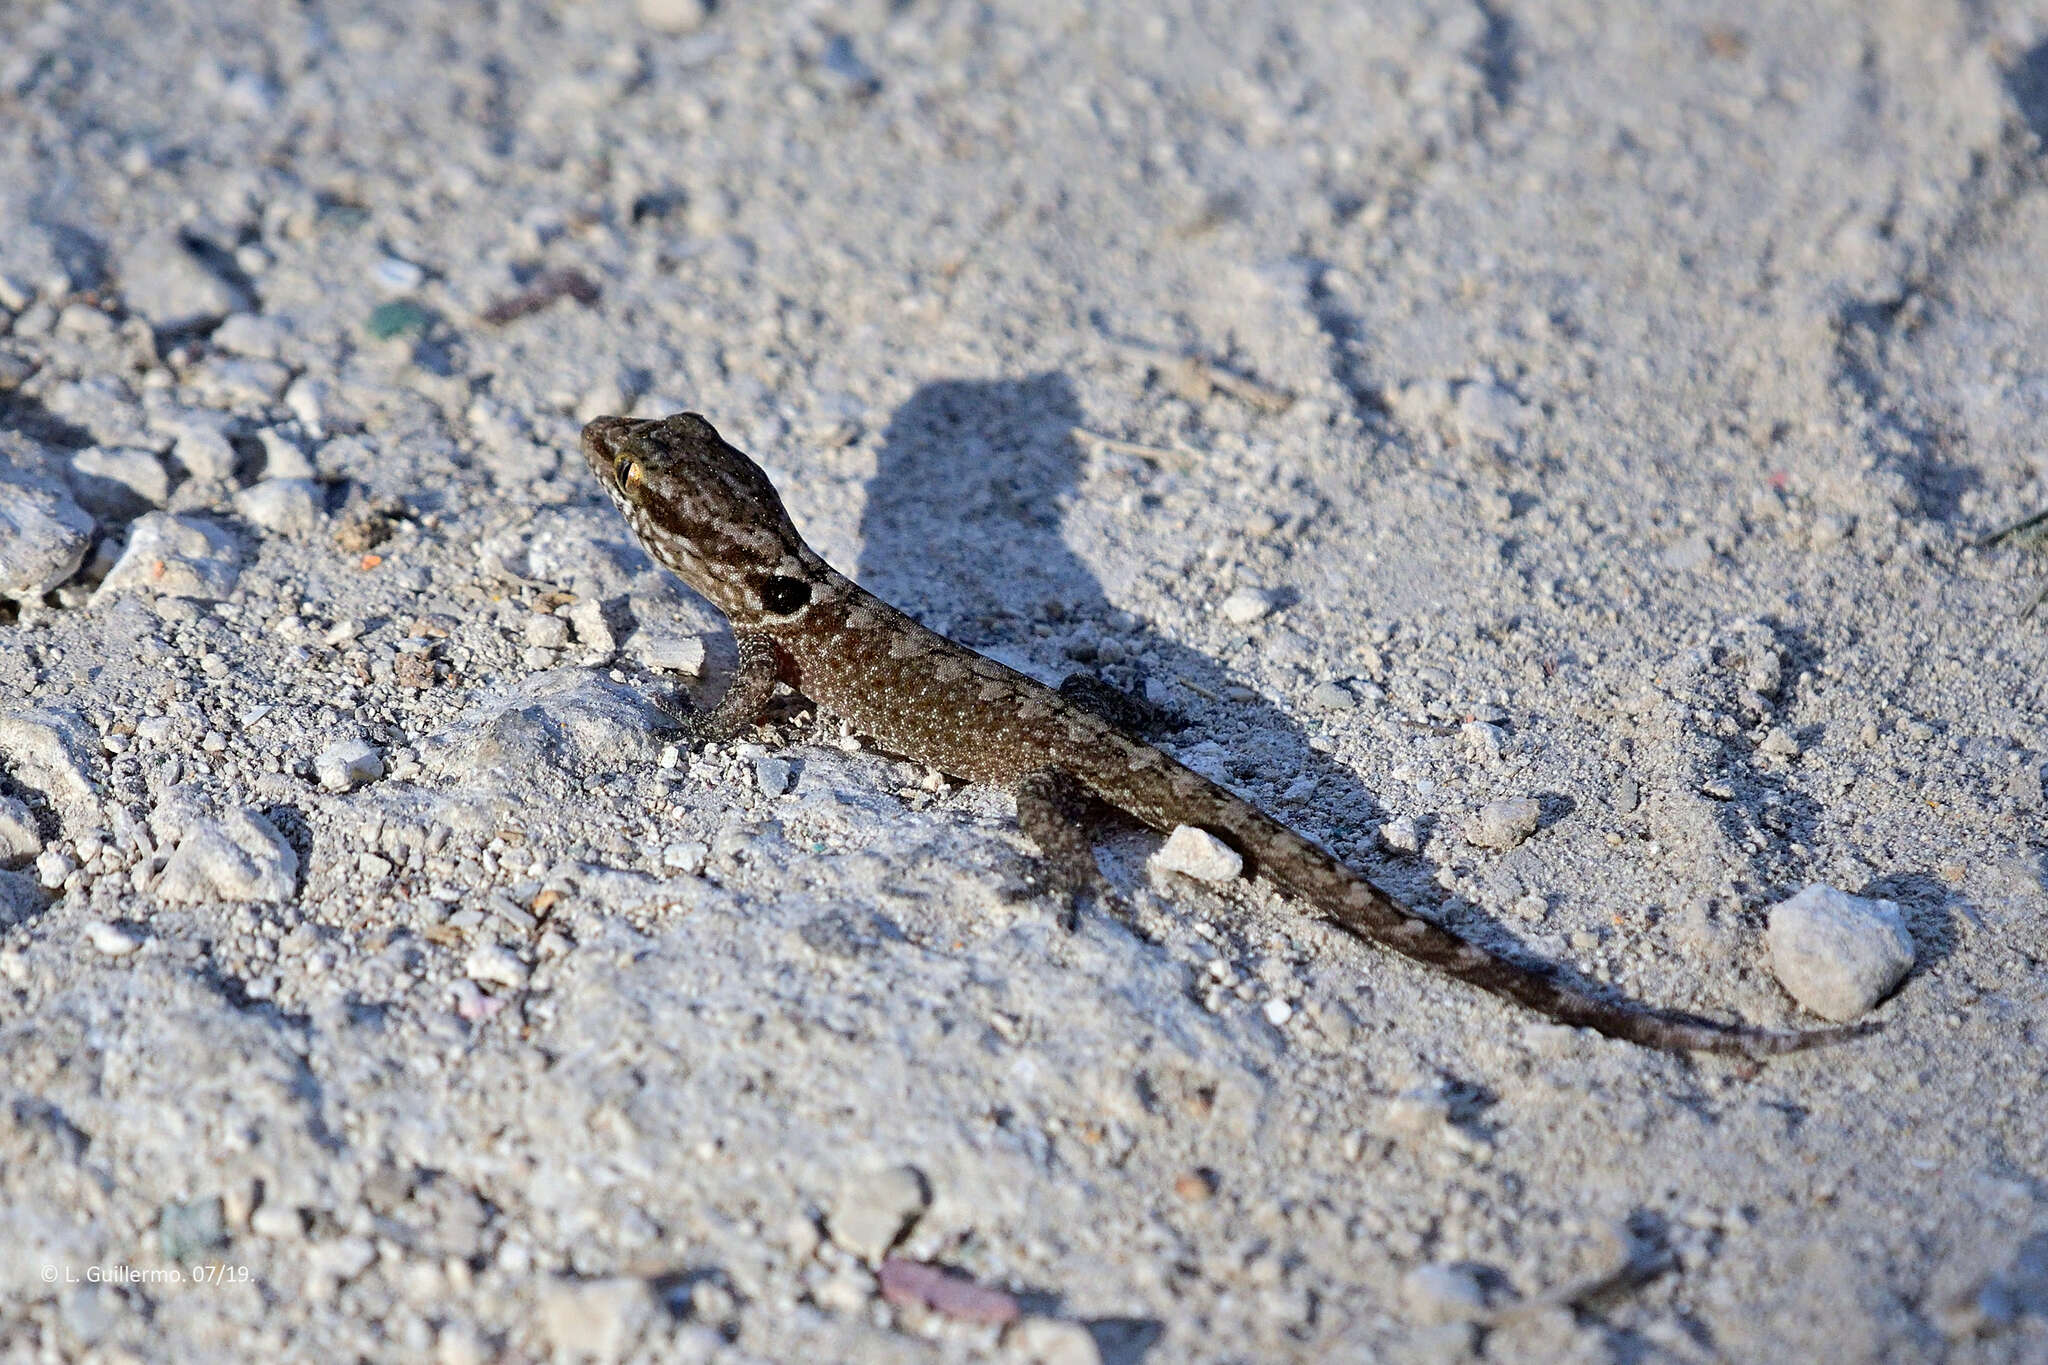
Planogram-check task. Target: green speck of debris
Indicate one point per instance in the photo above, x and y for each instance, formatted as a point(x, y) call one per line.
point(397, 318)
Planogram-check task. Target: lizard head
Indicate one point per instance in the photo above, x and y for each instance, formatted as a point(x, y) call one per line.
point(708, 513)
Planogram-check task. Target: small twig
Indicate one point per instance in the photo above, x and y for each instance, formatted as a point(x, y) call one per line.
point(1263, 396)
point(1178, 457)
point(2028, 522)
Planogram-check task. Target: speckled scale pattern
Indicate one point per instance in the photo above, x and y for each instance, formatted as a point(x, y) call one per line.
point(708, 513)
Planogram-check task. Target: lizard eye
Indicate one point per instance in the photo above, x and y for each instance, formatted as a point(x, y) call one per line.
point(630, 476)
point(784, 596)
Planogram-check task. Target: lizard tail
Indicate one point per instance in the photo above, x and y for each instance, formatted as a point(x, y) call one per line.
point(1362, 909)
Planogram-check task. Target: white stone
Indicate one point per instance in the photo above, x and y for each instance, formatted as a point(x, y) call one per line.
point(285, 507)
point(592, 630)
point(595, 1320)
point(348, 764)
point(163, 281)
point(874, 1211)
point(1246, 605)
point(496, 964)
point(667, 653)
point(1838, 954)
point(1277, 1012)
point(546, 631)
point(1051, 1341)
point(1401, 834)
point(1503, 824)
point(44, 535)
point(1481, 740)
point(671, 16)
point(1331, 697)
point(111, 939)
point(175, 557)
point(1444, 1293)
point(1196, 853)
point(20, 841)
point(119, 482)
point(240, 857)
point(50, 749)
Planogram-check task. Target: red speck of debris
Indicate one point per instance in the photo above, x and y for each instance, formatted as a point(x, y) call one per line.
point(372, 561)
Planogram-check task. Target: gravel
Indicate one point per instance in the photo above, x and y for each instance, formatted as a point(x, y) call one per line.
point(874, 1211)
point(1440, 323)
point(240, 857)
point(1503, 824)
point(1199, 854)
point(349, 764)
point(1839, 954)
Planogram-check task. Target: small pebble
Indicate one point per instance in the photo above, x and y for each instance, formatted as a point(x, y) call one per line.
point(496, 964)
point(19, 839)
point(1401, 835)
point(1482, 740)
point(547, 631)
point(1503, 824)
point(284, 507)
point(1199, 854)
point(111, 939)
point(874, 1211)
point(1779, 742)
point(1247, 604)
point(682, 654)
point(1331, 697)
point(1444, 1293)
point(1277, 1012)
point(1838, 954)
point(596, 1320)
point(773, 775)
point(349, 764)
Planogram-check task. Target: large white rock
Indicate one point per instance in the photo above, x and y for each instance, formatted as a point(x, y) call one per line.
point(1838, 954)
point(175, 557)
point(1199, 854)
point(44, 535)
point(239, 858)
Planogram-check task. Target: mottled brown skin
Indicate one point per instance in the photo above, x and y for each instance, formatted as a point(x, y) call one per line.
point(708, 513)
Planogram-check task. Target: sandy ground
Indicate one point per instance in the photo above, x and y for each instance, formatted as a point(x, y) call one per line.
point(1550, 400)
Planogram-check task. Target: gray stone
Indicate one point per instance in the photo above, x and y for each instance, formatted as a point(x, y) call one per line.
point(595, 1320)
point(1401, 834)
point(592, 630)
point(1444, 1293)
point(238, 858)
point(1247, 604)
point(1838, 954)
point(164, 282)
point(44, 535)
point(667, 653)
point(1503, 824)
point(50, 749)
point(773, 775)
point(175, 557)
point(285, 507)
point(283, 457)
point(119, 483)
point(348, 764)
point(1331, 696)
point(184, 1230)
point(672, 16)
point(1199, 854)
point(21, 895)
point(874, 1211)
point(496, 964)
point(20, 841)
point(111, 939)
point(199, 441)
point(546, 631)
point(572, 719)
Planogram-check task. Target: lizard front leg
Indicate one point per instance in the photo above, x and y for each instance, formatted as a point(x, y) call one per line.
point(753, 683)
point(1053, 811)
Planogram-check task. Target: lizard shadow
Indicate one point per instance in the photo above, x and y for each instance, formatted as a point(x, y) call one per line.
point(963, 529)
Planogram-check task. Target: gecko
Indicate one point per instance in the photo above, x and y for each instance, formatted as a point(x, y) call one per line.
point(706, 512)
